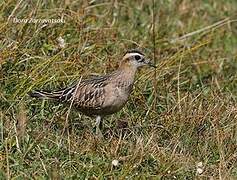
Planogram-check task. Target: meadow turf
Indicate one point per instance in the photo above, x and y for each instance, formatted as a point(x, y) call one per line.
point(181, 119)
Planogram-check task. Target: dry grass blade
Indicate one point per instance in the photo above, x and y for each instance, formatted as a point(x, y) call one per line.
point(22, 121)
point(70, 107)
point(207, 28)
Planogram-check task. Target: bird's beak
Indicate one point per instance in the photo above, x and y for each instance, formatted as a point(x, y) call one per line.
point(149, 63)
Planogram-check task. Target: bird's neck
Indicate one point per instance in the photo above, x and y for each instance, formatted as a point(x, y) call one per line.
point(128, 72)
point(125, 78)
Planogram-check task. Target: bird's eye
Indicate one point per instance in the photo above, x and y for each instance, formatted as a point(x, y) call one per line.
point(137, 57)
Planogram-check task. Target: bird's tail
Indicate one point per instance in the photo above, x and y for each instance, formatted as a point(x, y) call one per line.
point(61, 95)
point(45, 95)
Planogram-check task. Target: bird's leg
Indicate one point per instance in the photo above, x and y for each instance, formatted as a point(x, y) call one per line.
point(98, 126)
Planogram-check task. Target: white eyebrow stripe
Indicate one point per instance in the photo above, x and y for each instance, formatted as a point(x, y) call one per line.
point(132, 54)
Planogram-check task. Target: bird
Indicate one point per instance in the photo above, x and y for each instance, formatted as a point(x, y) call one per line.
point(99, 96)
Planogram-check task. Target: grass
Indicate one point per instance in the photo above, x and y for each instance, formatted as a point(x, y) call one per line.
point(180, 115)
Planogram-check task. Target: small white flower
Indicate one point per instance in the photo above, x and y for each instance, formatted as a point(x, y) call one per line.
point(115, 162)
point(61, 42)
point(199, 164)
point(200, 168)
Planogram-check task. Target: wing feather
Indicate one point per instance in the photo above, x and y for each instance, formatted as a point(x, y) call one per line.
point(91, 93)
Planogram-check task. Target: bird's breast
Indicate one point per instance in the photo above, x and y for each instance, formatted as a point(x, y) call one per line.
point(116, 98)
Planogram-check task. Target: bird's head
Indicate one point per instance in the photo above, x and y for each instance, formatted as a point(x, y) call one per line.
point(135, 59)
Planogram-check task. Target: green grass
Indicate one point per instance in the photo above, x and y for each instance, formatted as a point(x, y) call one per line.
point(180, 115)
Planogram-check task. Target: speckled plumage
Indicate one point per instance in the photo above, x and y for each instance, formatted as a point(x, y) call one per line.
point(101, 95)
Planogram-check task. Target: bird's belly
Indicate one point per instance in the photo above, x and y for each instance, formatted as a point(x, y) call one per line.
point(105, 110)
point(116, 106)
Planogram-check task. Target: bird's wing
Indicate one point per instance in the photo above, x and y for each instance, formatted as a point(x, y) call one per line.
point(90, 93)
